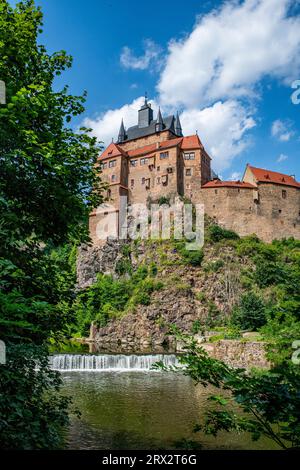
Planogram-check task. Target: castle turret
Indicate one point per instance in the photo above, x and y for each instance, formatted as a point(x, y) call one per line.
point(159, 122)
point(145, 114)
point(122, 134)
point(177, 125)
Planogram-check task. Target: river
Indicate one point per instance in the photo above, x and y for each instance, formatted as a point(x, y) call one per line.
point(126, 405)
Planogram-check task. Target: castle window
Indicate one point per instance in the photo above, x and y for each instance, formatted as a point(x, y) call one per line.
point(133, 162)
point(143, 180)
point(158, 168)
point(112, 163)
point(188, 186)
point(103, 166)
point(279, 210)
point(147, 183)
point(188, 172)
point(284, 194)
point(164, 180)
point(216, 191)
point(189, 156)
point(164, 155)
point(109, 193)
point(113, 177)
point(170, 169)
point(144, 161)
point(158, 180)
point(132, 183)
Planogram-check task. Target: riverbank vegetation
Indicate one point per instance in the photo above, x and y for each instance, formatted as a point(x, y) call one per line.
point(46, 176)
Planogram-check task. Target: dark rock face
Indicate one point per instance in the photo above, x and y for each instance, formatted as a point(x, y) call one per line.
point(94, 259)
point(149, 325)
point(189, 294)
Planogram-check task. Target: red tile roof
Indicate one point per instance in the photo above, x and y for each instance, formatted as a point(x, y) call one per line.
point(113, 150)
point(186, 143)
point(266, 176)
point(228, 184)
point(191, 142)
point(153, 147)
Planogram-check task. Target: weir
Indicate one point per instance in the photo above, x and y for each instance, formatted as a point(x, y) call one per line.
point(109, 362)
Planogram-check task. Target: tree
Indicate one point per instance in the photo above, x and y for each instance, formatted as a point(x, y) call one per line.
point(269, 400)
point(250, 313)
point(46, 179)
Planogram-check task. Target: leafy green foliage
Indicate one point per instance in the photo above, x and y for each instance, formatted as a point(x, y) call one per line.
point(108, 298)
point(269, 400)
point(46, 180)
point(190, 257)
point(217, 233)
point(250, 313)
point(32, 416)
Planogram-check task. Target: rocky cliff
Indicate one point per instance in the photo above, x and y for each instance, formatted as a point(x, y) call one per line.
point(190, 295)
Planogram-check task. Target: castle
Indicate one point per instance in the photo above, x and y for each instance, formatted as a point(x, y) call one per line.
point(153, 160)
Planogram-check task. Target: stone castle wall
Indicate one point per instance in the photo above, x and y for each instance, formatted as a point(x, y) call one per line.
point(271, 211)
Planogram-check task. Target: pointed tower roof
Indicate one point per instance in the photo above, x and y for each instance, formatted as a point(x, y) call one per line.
point(159, 122)
point(177, 125)
point(159, 119)
point(122, 134)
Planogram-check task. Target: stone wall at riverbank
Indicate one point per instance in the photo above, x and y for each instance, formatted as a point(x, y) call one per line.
point(237, 353)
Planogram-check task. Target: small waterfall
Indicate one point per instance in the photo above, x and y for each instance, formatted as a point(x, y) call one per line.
point(109, 362)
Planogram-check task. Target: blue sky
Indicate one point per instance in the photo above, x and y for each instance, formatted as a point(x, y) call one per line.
point(228, 69)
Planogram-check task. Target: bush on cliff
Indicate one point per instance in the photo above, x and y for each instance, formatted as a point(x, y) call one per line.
point(250, 313)
point(217, 233)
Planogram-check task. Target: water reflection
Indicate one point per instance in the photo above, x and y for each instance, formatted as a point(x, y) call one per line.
point(144, 410)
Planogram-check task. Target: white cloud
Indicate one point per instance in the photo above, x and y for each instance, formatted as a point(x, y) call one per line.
point(281, 130)
point(282, 158)
point(106, 126)
point(151, 56)
point(235, 176)
point(222, 129)
point(229, 51)
point(209, 72)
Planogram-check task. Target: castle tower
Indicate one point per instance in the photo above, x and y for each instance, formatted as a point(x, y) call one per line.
point(145, 114)
point(177, 125)
point(159, 122)
point(122, 134)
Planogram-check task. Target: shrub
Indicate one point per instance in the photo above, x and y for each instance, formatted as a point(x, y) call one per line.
point(214, 266)
point(217, 233)
point(269, 272)
point(142, 298)
point(123, 266)
point(192, 257)
point(250, 313)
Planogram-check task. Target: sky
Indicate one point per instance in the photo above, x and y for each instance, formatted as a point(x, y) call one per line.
point(227, 67)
